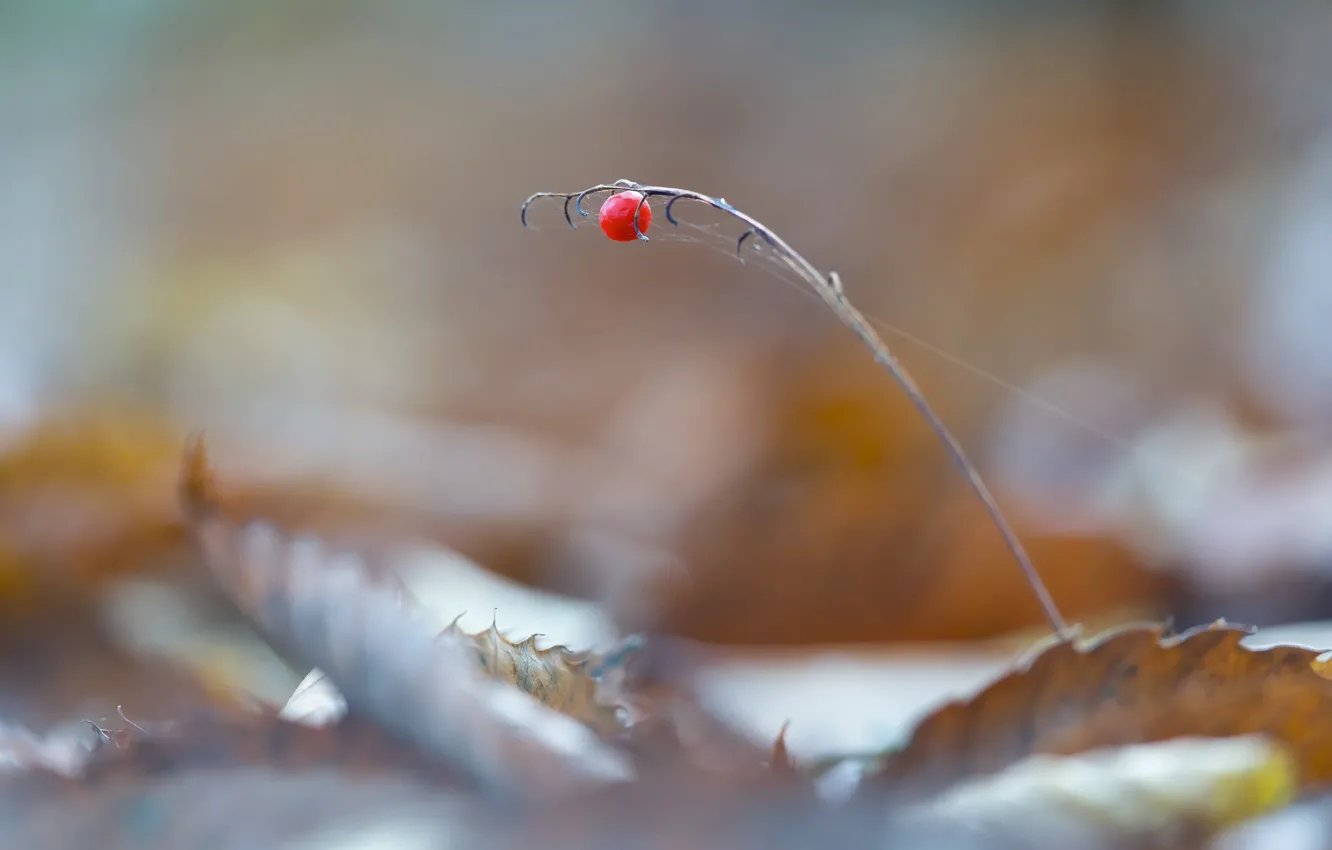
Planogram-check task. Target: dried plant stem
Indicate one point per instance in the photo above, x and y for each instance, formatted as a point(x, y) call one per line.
point(829, 288)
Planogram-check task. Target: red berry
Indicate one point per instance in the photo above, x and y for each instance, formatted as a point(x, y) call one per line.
point(617, 216)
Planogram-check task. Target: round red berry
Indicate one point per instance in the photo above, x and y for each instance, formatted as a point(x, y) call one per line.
point(617, 216)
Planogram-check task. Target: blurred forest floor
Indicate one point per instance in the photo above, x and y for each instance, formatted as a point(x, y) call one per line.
point(296, 226)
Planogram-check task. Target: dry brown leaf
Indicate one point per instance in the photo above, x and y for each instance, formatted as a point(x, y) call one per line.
point(1135, 684)
point(379, 649)
point(850, 527)
point(842, 478)
point(582, 685)
point(87, 494)
point(557, 676)
point(86, 497)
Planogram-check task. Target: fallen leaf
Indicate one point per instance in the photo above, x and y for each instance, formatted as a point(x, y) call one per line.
point(556, 676)
point(850, 527)
point(379, 648)
point(581, 685)
point(1165, 793)
point(1130, 685)
point(86, 495)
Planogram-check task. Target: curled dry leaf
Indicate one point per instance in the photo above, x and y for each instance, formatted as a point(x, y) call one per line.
point(583, 685)
point(380, 650)
point(569, 682)
point(1134, 684)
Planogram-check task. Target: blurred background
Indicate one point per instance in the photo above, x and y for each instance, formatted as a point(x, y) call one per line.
point(1103, 226)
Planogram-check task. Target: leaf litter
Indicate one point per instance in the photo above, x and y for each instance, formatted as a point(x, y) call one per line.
point(1069, 698)
point(377, 647)
point(1130, 685)
point(1136, 738)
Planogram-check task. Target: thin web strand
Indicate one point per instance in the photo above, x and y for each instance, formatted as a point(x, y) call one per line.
point(829, 289)
point(1026, 395)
